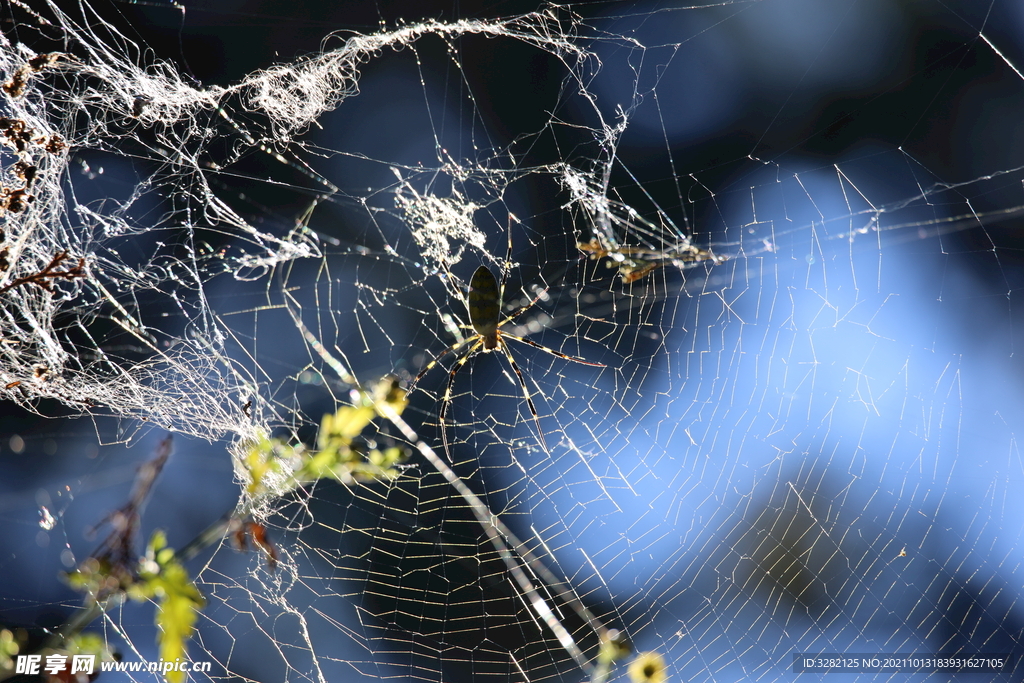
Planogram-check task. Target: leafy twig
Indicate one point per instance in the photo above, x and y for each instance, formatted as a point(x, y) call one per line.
point(112, 567)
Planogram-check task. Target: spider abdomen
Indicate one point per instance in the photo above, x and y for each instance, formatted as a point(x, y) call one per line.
point(484, 302)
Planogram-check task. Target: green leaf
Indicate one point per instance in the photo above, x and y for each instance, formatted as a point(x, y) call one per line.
point(346, 424)
point(260, 460)
point(166, 580)
point(8, 650)
point(176, 617)
point(388, 391)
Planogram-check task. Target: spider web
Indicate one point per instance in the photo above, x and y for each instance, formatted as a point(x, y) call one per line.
point(802, 438)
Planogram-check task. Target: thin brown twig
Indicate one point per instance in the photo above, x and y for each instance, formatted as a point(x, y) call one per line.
point(47, 275)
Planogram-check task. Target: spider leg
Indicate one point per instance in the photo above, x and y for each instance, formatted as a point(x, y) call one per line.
point(504, 278)
point(545, 349)
point(524, 307)
point(446, 398)
point(430, 366)
point(526, 393)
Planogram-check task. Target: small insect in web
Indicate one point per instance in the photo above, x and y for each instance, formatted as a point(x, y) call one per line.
point(484, 303)
point(636, 262)
point(632, 243)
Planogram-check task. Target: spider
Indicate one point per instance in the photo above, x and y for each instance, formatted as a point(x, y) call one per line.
point(484, 303)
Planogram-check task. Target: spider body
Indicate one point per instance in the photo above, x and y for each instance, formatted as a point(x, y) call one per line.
point(484, 302)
